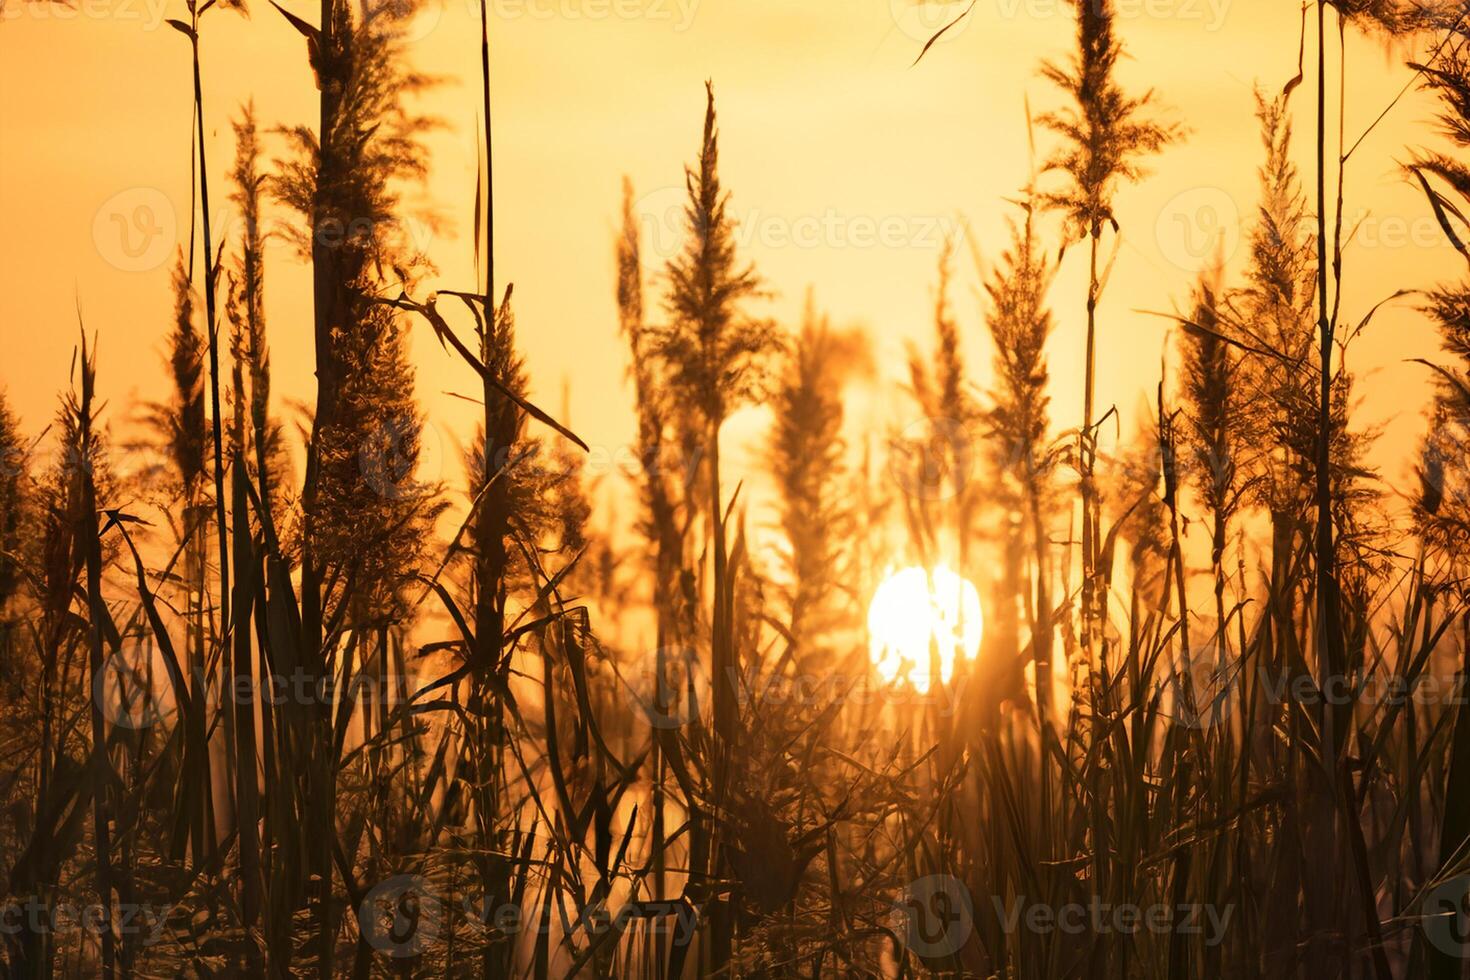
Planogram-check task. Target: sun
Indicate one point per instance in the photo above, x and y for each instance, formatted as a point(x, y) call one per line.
point(917, 614)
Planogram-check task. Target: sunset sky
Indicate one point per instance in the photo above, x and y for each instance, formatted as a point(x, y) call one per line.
point(848, 165)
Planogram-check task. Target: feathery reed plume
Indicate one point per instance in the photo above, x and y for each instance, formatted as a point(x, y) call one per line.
point(1274, 312)
point(14, 464)
point(497, 483)
point(262, 439)
point(62, 520)
point(1019, 419)
point(657, 449)
point(715, 355)
point(1135, 500)
point(1271, 321)
point(943, 391)
point(185, 422)
point(659, 497)
point(1104, 135)
point(807, 460)
point(1443, 509)
point(1212, 421)
point(344, 179)
point(517, 489)
point(184, 426)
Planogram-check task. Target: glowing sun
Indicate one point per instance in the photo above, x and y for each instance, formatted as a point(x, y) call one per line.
point(917, 614)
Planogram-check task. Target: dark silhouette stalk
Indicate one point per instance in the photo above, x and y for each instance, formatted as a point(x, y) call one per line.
point(102, 773)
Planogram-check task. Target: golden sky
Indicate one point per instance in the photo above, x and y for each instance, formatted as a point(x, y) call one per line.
point(847, 163)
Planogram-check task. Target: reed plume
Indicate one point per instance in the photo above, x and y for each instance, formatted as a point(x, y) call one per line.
point(1019, 421)
point(807, 460)
point(1105, 134)
point(715, 356)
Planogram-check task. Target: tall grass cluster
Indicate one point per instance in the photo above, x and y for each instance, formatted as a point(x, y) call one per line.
point(276, 706)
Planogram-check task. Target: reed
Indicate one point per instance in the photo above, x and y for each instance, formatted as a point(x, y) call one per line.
point(478, 765)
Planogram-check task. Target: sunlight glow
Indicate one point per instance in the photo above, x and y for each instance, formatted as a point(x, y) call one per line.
point(915, 612)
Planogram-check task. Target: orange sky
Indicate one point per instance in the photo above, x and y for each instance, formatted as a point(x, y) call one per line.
point(847, 167)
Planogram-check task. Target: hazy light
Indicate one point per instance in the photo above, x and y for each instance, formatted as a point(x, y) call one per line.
point(914, 609)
